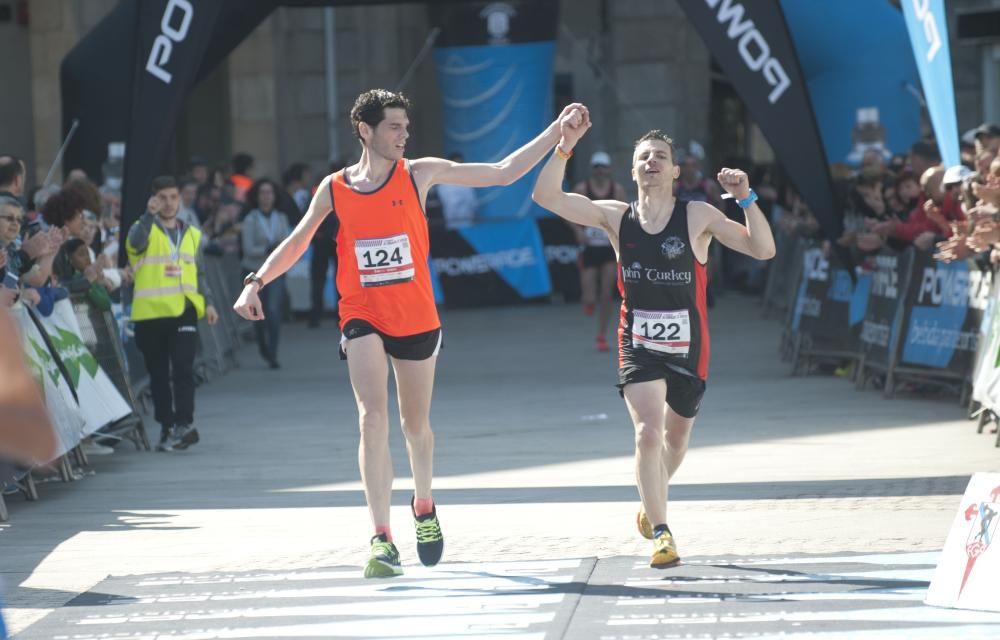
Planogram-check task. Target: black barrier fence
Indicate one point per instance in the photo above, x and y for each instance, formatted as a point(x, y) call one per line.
point(110, 344)
point(905, 318)
point(881, 328)
point(822, 325)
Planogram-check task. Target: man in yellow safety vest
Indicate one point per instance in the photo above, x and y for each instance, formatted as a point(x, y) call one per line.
point(171, 294)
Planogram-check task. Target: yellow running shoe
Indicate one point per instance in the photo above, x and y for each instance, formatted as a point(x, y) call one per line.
point(645, 526)
point(384, 560)
point(664, 552)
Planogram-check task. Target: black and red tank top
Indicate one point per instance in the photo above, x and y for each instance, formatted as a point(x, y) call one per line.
point(382, 246)
point(662, 284)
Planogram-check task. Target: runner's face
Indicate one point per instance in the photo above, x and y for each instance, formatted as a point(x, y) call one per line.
point(389, 137)
point(653, 165)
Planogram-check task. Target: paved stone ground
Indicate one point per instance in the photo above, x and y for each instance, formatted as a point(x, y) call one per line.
point(533, 465)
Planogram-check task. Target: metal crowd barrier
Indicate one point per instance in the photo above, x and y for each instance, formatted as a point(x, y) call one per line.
point(102, 336)
point(907, 319)
point(219, 343)
point(116, 352)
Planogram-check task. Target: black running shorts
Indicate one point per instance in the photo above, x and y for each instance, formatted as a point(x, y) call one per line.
point(419, 346)
point(597, 256)
point(684, 391)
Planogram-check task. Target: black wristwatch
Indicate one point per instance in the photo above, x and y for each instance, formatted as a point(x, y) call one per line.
point(253, 277)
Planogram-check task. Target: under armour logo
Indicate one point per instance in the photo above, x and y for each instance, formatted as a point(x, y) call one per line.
point(397, 203)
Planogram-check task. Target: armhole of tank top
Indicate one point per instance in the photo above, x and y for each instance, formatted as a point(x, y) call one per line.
point(621, 223)
point(687, 223)
point(416, 191)
point(333, 209)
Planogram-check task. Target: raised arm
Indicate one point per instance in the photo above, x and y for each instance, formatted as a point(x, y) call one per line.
point(548, 190)
point(287, 253)
point(431, 171)
point(753, 238)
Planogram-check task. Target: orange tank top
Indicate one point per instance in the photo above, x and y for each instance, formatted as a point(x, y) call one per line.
point(382, 251)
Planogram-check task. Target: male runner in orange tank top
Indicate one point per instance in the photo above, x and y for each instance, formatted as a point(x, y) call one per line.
point(387, 303)
point(663, 344)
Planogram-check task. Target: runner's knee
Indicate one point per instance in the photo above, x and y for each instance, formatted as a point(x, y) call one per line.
point(648, 437)
point(373, 423)
point(416, 428)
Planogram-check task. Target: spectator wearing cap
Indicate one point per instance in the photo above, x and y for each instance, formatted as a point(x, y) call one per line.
point(931, 219)
point(987, 136)
point(458, 203)
point(598, 262)
point(693, 186)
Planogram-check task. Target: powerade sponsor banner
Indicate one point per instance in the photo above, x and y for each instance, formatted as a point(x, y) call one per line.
point(945, 303)
point(562, 255)
point(928, 27)
point(495, 66)
point(491, 263)
point(829, 308)
point(44, 364)
point(171, 38)
point(100, 402)
point(885, 294)
point(751, 42)
point(176, 43)
point(863, 93)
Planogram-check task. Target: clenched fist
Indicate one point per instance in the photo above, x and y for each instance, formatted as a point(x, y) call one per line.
point(735, 182)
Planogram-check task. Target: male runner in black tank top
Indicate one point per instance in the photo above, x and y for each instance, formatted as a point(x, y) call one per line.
point(662, 246)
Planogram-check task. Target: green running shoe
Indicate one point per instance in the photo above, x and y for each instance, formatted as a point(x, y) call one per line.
point(384, 561)
point(430, 541)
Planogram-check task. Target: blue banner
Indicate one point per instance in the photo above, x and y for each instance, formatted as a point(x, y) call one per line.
point(855, 56)
point(513, 250)
point(946, 303)
point(928, 27)
point(496, 98)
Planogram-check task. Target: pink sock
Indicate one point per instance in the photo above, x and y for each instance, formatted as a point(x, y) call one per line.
point(422, 506)
point(384, 528)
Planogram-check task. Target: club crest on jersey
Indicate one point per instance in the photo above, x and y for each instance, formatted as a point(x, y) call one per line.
point(672, 247)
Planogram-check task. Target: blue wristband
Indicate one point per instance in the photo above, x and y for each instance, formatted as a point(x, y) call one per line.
point(747, 201)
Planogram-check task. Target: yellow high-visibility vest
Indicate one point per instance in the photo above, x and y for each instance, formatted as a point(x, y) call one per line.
point(159, 292)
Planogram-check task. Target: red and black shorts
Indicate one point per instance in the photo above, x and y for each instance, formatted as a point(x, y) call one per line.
point(419, 346)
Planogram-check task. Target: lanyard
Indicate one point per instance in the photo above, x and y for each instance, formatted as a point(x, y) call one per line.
point(175, 247)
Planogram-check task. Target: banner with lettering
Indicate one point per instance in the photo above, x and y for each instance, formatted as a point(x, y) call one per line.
point(927, 24)
point(945, 304)
point(880, 327)
point(829, 307)
point(752, 44)
point(491, 263)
